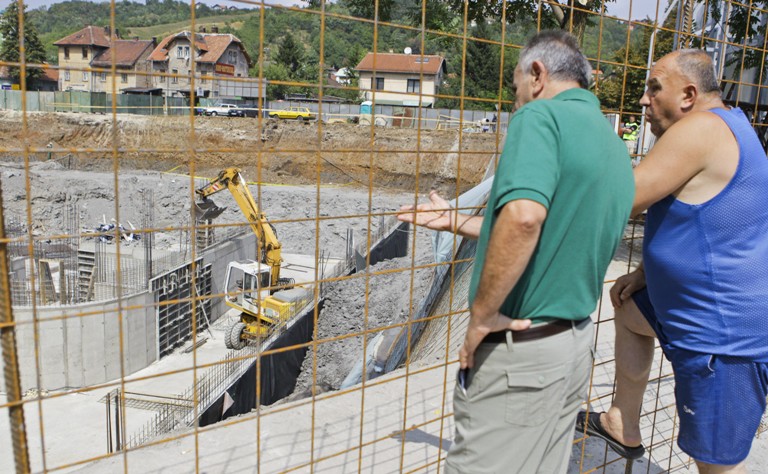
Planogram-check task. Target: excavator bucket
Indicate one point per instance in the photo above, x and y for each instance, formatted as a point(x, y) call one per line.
point(207, 210)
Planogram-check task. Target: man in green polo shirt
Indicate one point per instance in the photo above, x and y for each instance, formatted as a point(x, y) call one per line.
point(560, 199)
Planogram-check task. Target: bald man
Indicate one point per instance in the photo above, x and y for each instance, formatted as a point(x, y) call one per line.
point(703, 287)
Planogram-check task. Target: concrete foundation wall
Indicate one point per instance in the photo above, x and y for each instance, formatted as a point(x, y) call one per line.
point(80, 345)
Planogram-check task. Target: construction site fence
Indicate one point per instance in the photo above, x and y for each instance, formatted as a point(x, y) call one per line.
point(140, 104)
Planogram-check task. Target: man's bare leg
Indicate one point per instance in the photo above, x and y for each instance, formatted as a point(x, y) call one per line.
point(705, 468)
point(634, 355)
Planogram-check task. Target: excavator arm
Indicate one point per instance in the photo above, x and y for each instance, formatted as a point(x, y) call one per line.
point(233, 180)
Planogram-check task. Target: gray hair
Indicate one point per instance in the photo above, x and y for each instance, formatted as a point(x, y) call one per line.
point(559, 52)
point(697, 66)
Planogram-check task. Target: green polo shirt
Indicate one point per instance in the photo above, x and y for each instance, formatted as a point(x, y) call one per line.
point(563, 154)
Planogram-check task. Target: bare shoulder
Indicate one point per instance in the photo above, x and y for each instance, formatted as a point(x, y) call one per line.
point(697, 134)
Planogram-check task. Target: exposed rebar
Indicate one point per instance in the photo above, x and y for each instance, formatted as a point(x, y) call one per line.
point(10, 358)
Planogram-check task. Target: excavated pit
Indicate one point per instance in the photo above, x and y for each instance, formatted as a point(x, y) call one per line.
point(338, 173)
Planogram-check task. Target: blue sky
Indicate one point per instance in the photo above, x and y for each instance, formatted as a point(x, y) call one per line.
point(620, 8)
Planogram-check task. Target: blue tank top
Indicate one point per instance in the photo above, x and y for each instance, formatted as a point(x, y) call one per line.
point(707, 264)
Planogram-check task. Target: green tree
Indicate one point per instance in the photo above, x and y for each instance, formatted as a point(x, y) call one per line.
point(290, 54)
point(277, 72)
point(438, 15)
point(555, 13)
point(367, 9)
point(625, 85)
point(746, 26)
point(10, 50)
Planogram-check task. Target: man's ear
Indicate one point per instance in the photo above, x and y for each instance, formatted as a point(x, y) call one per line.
point(539, 73)
point(690, 94)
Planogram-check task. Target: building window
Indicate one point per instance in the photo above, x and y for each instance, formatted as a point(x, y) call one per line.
point(175, 78)
point(66, 75)
point(66, 52)
point(377, 83)
point(85, 76)
point(124, 78)
point(413, 86)
point(103, 77)
point(202, 79)
point(85, 53)
point(179, 51)
point(186, 51)
point(233, 57)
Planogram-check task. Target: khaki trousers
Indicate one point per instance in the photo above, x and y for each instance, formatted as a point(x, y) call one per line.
point(519, 412)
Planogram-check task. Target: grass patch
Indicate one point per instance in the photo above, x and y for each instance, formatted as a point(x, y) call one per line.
point(161, 31)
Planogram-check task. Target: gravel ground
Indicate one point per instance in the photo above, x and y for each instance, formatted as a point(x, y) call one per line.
point(389, 294)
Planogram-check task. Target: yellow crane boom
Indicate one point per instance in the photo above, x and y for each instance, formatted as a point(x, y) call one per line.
point(233, 180)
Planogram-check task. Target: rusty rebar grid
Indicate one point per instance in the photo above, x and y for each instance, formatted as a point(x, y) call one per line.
point(10, 360)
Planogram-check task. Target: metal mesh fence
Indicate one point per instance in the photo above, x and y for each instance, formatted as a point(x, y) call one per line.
point(345, 363)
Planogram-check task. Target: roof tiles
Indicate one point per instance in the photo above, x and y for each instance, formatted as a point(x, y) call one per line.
point(211, 46)
point(405, 63)
point(127, 52)
point(90, 35)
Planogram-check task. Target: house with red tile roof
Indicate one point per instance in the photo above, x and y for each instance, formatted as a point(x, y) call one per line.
point(86, 58)
point(401, 79)
point(218, 63)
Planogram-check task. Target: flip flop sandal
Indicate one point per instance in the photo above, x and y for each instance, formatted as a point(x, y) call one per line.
point(590, 424)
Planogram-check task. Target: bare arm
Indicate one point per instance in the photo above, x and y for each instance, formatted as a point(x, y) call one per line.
point(439, 215)
point(512, 243)
point(679, 155)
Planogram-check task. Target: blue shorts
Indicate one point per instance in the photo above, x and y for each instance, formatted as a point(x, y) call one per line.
point(720, 399)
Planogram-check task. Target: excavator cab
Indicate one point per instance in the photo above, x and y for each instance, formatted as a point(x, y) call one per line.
point(247, 285)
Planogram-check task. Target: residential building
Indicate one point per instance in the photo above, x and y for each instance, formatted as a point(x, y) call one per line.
point(86, 56)
point(49, 81)
point(131, 67)
point(218, 60)
point(401, 79)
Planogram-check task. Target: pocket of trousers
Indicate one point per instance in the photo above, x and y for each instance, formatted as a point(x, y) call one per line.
point(532, 397)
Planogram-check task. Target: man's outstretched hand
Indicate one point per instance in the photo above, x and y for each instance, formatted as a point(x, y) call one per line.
point(435, 215)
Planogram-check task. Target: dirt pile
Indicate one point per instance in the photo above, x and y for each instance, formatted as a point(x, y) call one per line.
point(268, 150)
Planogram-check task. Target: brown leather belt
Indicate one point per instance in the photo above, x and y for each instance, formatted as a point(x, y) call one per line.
point(531, 334)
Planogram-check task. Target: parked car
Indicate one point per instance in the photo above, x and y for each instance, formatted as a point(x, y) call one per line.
point(243, 111)
point(221, 109)
point(298, 113)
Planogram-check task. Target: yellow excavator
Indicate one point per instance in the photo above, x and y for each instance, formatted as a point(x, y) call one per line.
point(252, 287)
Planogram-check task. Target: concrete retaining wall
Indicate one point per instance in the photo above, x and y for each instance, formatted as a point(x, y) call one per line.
point(80, 345)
